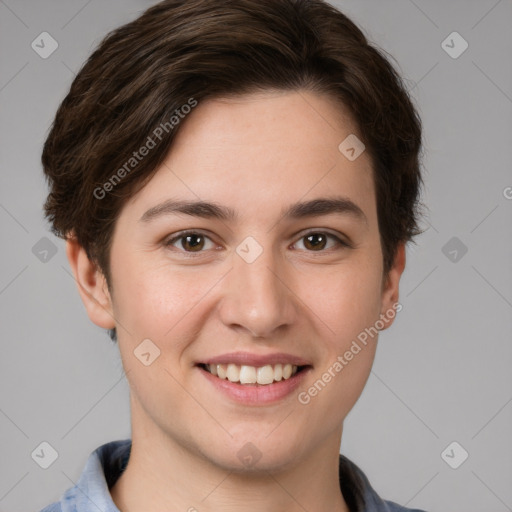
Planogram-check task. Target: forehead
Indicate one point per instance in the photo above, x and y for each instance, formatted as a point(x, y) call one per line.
point(259, 151)
point(270, 119)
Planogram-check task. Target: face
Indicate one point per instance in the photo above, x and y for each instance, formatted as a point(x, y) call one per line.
point(283, 266)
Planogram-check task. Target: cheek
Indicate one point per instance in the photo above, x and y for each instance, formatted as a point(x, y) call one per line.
point(346, 299)
point(348, 306)
point(159, 302)
point(347, 303)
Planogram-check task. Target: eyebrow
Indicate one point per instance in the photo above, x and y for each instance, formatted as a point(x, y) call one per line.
point(300, 210)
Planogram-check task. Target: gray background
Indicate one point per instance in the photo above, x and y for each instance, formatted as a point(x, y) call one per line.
point(442, 372)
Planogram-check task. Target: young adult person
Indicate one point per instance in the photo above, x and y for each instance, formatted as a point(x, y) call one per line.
point(236, 182)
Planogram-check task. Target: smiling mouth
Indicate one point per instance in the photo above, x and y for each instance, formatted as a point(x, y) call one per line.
point(252, 375)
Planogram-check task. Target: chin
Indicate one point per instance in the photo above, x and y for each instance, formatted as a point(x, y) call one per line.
point(253, 454)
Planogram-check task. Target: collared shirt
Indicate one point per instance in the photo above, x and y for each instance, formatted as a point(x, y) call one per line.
point(105, 465)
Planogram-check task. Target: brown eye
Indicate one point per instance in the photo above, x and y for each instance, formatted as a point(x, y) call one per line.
point(189, 242)
point(317, 241)
point(196, 242)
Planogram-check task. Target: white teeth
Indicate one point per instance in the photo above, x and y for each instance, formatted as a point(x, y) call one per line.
point(233, 373)
point(251, 375)
point(221, 370)
point(265, 375)
point(247, 375)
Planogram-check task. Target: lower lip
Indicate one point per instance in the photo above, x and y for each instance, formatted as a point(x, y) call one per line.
point(257, 394)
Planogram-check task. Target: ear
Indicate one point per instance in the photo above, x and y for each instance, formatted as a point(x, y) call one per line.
point(390, 288)
point(91, 284)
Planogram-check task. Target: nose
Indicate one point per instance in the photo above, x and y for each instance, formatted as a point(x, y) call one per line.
point(258, 297)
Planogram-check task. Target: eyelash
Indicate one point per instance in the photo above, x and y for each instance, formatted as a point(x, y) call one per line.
point(169, 242)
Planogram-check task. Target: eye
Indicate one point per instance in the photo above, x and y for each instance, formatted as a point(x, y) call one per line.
point(316, 241)
point(191, 241)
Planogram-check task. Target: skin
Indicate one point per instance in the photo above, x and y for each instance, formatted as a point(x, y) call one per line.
point(257, 154)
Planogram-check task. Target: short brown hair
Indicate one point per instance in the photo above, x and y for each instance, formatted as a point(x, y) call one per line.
point(144, 72)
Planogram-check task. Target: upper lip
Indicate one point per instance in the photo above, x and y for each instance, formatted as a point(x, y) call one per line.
point(257, 360)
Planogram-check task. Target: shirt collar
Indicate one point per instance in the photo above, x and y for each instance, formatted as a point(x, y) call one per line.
point(103, 468)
